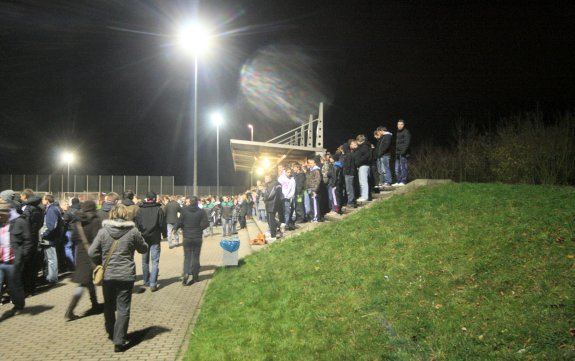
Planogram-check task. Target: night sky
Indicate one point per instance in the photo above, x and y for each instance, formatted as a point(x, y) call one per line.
point(106, 79)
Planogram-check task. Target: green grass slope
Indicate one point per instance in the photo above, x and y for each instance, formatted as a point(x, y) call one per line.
point(453, 272)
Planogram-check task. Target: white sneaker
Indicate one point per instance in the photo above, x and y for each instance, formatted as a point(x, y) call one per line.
point(283, 227)
point(400, 184)
point(361, 200)
point(271, 239)
point(395, 184)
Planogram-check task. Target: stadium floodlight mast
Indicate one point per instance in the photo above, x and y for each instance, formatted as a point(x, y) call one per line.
point(252, 139)
point(217, 120)
point(194, 39)
point(68, 158)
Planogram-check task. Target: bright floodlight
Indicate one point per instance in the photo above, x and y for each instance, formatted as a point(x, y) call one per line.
point(217, 119)
point(68, 157)
point(260, 171)
point(250, 126)
point(193, 38)
point(266, 163)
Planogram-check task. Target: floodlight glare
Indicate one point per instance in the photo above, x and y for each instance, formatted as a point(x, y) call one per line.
point(193, 38)
point(217, 119)
point(266, 163)
point(68, 157)
point(260, 171)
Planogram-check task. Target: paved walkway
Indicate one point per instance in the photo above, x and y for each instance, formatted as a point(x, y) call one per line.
point(161, 322)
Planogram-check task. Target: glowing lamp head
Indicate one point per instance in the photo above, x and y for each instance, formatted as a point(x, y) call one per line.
point(266, 163)
point(68, 157)
point(217, 119)
point(193, 38)
point(260, 171)
point(250, 126)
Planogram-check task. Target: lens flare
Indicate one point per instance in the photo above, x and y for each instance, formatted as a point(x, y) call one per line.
point(281, 83)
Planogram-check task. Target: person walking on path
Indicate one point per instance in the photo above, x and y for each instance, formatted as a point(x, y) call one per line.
point(15, 245)
point(151, 223)
point(84, 231)
point(171, 210)
point(118, 240)
point(193, 221)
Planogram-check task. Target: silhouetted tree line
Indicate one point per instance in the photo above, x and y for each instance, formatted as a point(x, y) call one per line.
point(524, 148)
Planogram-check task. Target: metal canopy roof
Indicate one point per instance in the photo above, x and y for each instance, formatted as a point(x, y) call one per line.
point(248, 155)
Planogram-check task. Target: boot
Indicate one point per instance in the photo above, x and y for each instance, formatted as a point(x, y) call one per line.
point(70, 316)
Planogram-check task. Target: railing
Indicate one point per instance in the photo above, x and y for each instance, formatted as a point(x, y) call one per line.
point(303, 136)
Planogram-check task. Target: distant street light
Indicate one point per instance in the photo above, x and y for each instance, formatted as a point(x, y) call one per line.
point(194, 39)
point(68, 157)
point(217, 119)
point(252, 131)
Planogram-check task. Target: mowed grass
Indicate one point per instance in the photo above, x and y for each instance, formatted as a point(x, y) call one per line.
point(452, 272)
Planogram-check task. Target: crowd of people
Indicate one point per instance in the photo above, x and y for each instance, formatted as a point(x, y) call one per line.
point(41, 237)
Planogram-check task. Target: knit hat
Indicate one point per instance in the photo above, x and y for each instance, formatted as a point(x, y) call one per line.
point(75, 200)
point(8, 195)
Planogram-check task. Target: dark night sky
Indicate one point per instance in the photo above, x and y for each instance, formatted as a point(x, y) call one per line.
point(104, 77)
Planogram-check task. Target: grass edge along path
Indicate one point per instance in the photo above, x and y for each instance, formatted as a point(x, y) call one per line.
point(453, 272)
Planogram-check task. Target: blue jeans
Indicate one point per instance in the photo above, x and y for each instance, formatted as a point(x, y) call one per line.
point(363, 173)
point(262, 214)
point(349, 189)
point(173, 238)
point(151, 278)
point(9, 275)
point(69, 250)
point(383, 169)
point(401, 168)
point(306, 203)
point(226, 227)
point(288, 208)
point(51, 264)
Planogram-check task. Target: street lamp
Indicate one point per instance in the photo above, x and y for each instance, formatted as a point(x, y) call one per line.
point(68, 157)
point(252, 131)
point(217, 119)
point(252, 138)
point(194, 39)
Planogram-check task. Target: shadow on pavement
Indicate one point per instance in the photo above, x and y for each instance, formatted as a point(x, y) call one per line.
point(32, 310)
point(147, 333)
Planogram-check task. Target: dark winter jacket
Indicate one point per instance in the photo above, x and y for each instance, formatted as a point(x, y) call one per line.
point(171, 210)
point(348, 161)
point(299, 182)
point(69, 217)
point(104, 212)
point(91, 224)
point(273, 196)
point(20, 241)
point(335, 176)
point(34, 215)
point(52, 224)
point(402, 142)
point(132, 208)
point(193, 220)
point(383, 145)
point(121, 266)
point(227, 209)
point(151, 222)
point(362, 155)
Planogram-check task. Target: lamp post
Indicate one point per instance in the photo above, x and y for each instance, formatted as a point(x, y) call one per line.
point(68, 157)
point(252, 139)
point(251, 131)
point(194, 39)
point(217, 119)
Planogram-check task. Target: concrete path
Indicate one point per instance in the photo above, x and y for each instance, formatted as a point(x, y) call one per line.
point(160, 321)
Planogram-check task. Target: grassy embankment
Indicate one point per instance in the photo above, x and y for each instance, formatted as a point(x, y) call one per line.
point(455, 272)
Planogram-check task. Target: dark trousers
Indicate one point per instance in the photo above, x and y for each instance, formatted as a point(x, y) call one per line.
point(300, 208)
point(117, 304)
point(192, 249)
point(272, 223)
point(31, 264)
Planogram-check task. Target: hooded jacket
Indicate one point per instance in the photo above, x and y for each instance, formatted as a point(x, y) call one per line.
point(171, 210)
point(52, 224)
point(32, 212)
point(193, 220)
point(104, 212)
point(132, 208)
point(362, 155)
point(383, 145)
point(402, 142)
point(314, 179)
point(273, 196)
point(121, 266)
point(348, 162)
point(91, 224)
point(151, 222)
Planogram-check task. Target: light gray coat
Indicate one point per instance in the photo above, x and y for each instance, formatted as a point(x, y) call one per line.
point(121, 266)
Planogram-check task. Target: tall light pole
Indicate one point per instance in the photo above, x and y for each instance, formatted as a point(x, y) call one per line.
point(252, 138)
point(68, 157)
point(217, 119)
point(194, 39)
point(251, 131)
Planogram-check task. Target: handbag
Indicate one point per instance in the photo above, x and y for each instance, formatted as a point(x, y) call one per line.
point(98, 272)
